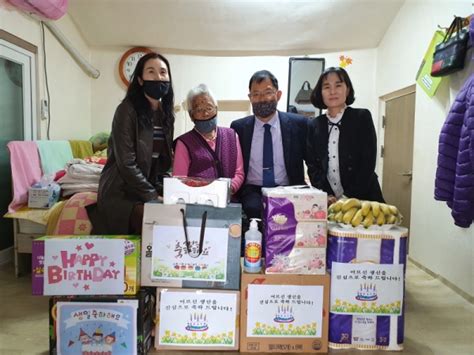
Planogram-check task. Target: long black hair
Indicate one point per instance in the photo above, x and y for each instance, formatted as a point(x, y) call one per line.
point(136, 94)
point(317, 96)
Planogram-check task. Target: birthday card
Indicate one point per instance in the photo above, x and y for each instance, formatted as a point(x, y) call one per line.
point(285, 311)
point(198, 319)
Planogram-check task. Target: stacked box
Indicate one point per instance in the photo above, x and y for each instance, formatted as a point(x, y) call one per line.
point(86, 265)
point(197, 319)
point(171, 265)
point(196, 190)
point(43, 196)
point(284, 313)
point(145, 302)
point(295, 230)
point(367, 288)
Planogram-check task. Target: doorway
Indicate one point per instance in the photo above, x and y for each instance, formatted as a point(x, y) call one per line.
point(18, 114)
point(398, 124)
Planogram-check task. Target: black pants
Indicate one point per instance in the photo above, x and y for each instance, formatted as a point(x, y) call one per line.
point(136, 219)
point(251, 200)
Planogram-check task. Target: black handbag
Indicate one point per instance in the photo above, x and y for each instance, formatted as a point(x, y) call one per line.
point(304, 94)
point(450, 54)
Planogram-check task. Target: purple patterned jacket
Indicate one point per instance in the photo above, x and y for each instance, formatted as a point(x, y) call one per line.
point(207, 163)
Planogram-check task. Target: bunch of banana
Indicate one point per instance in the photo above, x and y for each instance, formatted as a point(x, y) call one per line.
point(366, 213)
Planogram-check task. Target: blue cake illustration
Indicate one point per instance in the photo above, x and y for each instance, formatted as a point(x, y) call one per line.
point(367, 292)
point(197, 323)
point(284, 315)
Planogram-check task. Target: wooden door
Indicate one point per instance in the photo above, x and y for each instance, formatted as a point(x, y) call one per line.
point(398, 153)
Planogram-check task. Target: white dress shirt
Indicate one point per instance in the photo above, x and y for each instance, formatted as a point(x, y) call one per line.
point(254, 175)
point(333, 175)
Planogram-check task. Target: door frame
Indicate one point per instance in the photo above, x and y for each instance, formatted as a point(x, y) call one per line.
point(20, 47)
point(25, 53)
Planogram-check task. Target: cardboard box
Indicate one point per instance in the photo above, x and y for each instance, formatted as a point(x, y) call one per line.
point(144, 318)
point(43, 196)
point(284, 313)
point(86, 265)
point(196, 190)
point(158, 217)
point(197, 319)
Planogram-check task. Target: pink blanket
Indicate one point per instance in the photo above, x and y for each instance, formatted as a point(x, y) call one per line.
point(26, 170)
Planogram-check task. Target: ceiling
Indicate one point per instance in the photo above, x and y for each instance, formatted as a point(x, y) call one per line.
point(235, 27)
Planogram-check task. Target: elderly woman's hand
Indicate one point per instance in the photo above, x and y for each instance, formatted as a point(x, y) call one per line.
point(331, 199)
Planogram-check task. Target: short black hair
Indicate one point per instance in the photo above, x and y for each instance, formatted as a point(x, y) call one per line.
point(260, 76)
point(316, 95)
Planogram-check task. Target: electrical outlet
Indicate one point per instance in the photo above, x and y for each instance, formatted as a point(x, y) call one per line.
point(44, 109)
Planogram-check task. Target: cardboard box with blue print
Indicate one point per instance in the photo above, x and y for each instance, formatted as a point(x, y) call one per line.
point(85, 335)
point(191, 246)
point(43, 195)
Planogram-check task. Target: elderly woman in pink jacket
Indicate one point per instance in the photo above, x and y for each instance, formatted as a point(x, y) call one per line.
point(208, 151)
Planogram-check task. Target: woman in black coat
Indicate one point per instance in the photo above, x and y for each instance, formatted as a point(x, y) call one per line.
point(139, 150)
point(342, 144)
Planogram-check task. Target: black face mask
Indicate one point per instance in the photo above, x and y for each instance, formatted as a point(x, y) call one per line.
point(206, 126)
point(264, 109)
point(156, 89)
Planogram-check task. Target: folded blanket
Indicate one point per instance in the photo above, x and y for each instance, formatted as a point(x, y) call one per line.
point(68, 179)
point(71, 189)
point(26, 170)
point(81, 149)
point(54, 155)
point(80, 176)
point(79, 171)
point(79, 168)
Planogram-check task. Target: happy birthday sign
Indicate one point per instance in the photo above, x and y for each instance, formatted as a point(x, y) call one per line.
point(84, 266)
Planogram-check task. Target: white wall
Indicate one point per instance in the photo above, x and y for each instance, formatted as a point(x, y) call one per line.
point(82, 106)
point(227, 77)
point(69, 86)
point(434, 240)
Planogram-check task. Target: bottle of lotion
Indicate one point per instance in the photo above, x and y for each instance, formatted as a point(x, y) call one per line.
point(253, 248)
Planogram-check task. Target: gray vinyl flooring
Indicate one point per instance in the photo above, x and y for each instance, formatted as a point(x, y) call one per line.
point(438, 320)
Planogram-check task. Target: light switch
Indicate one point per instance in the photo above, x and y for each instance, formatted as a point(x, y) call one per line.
point(44, 109)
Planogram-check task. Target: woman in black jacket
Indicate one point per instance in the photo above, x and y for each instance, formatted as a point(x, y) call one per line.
point(342, 144)
point(139, 150)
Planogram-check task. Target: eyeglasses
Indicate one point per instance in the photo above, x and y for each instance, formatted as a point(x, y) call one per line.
point(204, 110)
point(265, 94)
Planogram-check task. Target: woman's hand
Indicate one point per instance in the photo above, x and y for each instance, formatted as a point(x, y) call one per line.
point(331, 199)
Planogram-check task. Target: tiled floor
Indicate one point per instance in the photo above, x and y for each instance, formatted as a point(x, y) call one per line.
point(438, 321)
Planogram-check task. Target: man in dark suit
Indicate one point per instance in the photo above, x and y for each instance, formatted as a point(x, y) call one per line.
point(272, 142)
